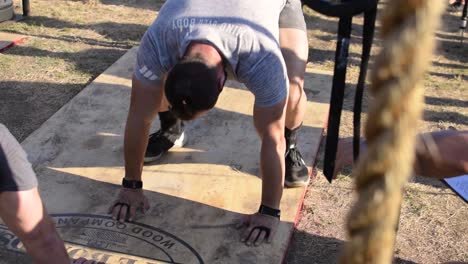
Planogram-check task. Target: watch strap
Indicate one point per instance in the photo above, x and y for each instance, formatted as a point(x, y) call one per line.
point(266, 210)
point(132, 184)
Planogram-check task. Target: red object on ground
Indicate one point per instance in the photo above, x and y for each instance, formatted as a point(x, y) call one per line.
point(8, 40)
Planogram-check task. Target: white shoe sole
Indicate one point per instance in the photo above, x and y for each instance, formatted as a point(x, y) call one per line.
point(296, 184)
point(180, 142)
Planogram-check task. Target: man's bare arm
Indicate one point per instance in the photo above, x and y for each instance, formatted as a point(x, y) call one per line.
point(269, 122)
point(439, 154)
point(442, 154)
point(23, 213)
point(144, 104)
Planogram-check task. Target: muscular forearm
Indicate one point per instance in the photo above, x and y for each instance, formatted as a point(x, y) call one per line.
point(44, 242)
point(144, 104)
point(427, 165)
point(442, 154)
point(136, 139)
point(269, 122)
point(272, 171)
point(24, 214)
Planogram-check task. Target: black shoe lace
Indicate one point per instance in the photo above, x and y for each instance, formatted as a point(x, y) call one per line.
point(295, 156)
point(156, 134)
point(159, 141)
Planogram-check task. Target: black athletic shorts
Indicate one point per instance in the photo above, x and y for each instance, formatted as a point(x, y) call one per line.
point(16, 173)
point(292, 16)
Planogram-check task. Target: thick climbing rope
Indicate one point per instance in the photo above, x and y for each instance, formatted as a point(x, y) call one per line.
point(408, 38)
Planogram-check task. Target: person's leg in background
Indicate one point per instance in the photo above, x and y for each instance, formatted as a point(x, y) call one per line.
point(171, 134)
point(295, 49)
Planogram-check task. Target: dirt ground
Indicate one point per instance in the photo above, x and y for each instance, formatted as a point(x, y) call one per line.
point(69, 43)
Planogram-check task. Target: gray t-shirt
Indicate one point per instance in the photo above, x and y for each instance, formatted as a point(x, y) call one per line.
point(16, 173)
point(246, 32)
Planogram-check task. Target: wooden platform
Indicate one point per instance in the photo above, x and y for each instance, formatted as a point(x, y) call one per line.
point(195, 192)
point(8, 40)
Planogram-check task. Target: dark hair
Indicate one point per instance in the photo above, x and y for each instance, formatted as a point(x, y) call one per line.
point(191, 87)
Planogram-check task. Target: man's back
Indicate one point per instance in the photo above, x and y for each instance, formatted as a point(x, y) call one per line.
point(245, 32)
point(260, 14)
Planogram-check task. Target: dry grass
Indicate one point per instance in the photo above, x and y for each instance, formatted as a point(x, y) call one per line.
point(69, 43)
point(433, 219)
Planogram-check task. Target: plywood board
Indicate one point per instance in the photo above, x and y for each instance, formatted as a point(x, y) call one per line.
point(195, 192)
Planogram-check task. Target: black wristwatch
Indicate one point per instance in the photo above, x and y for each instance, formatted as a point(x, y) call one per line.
point(132, 184)
point(266, 210)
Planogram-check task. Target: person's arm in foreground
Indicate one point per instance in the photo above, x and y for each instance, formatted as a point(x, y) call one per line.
point(440, 154)
point(23, 213)
point(144, 103)
point(21, 207)
point(269, 123)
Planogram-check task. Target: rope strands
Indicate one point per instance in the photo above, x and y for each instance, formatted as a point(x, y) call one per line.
point(408, 38)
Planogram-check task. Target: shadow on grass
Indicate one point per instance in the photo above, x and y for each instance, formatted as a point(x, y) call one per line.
point(24, 106)
point(450, 46)
point(75, 39)
point(315, 249)
point(448, 76)
point(141, 4)
point(446, 101)
point(446, 116)
point(119, 32)
point(319, 56)
point(92, 61)
point(331, 25)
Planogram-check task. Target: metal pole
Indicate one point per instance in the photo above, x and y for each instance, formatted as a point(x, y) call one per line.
point(26, 8)
point(337, 95)
point(463, 21)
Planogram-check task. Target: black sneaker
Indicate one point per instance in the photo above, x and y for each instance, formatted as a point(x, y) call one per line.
point(297, 173)
point(161, 142)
